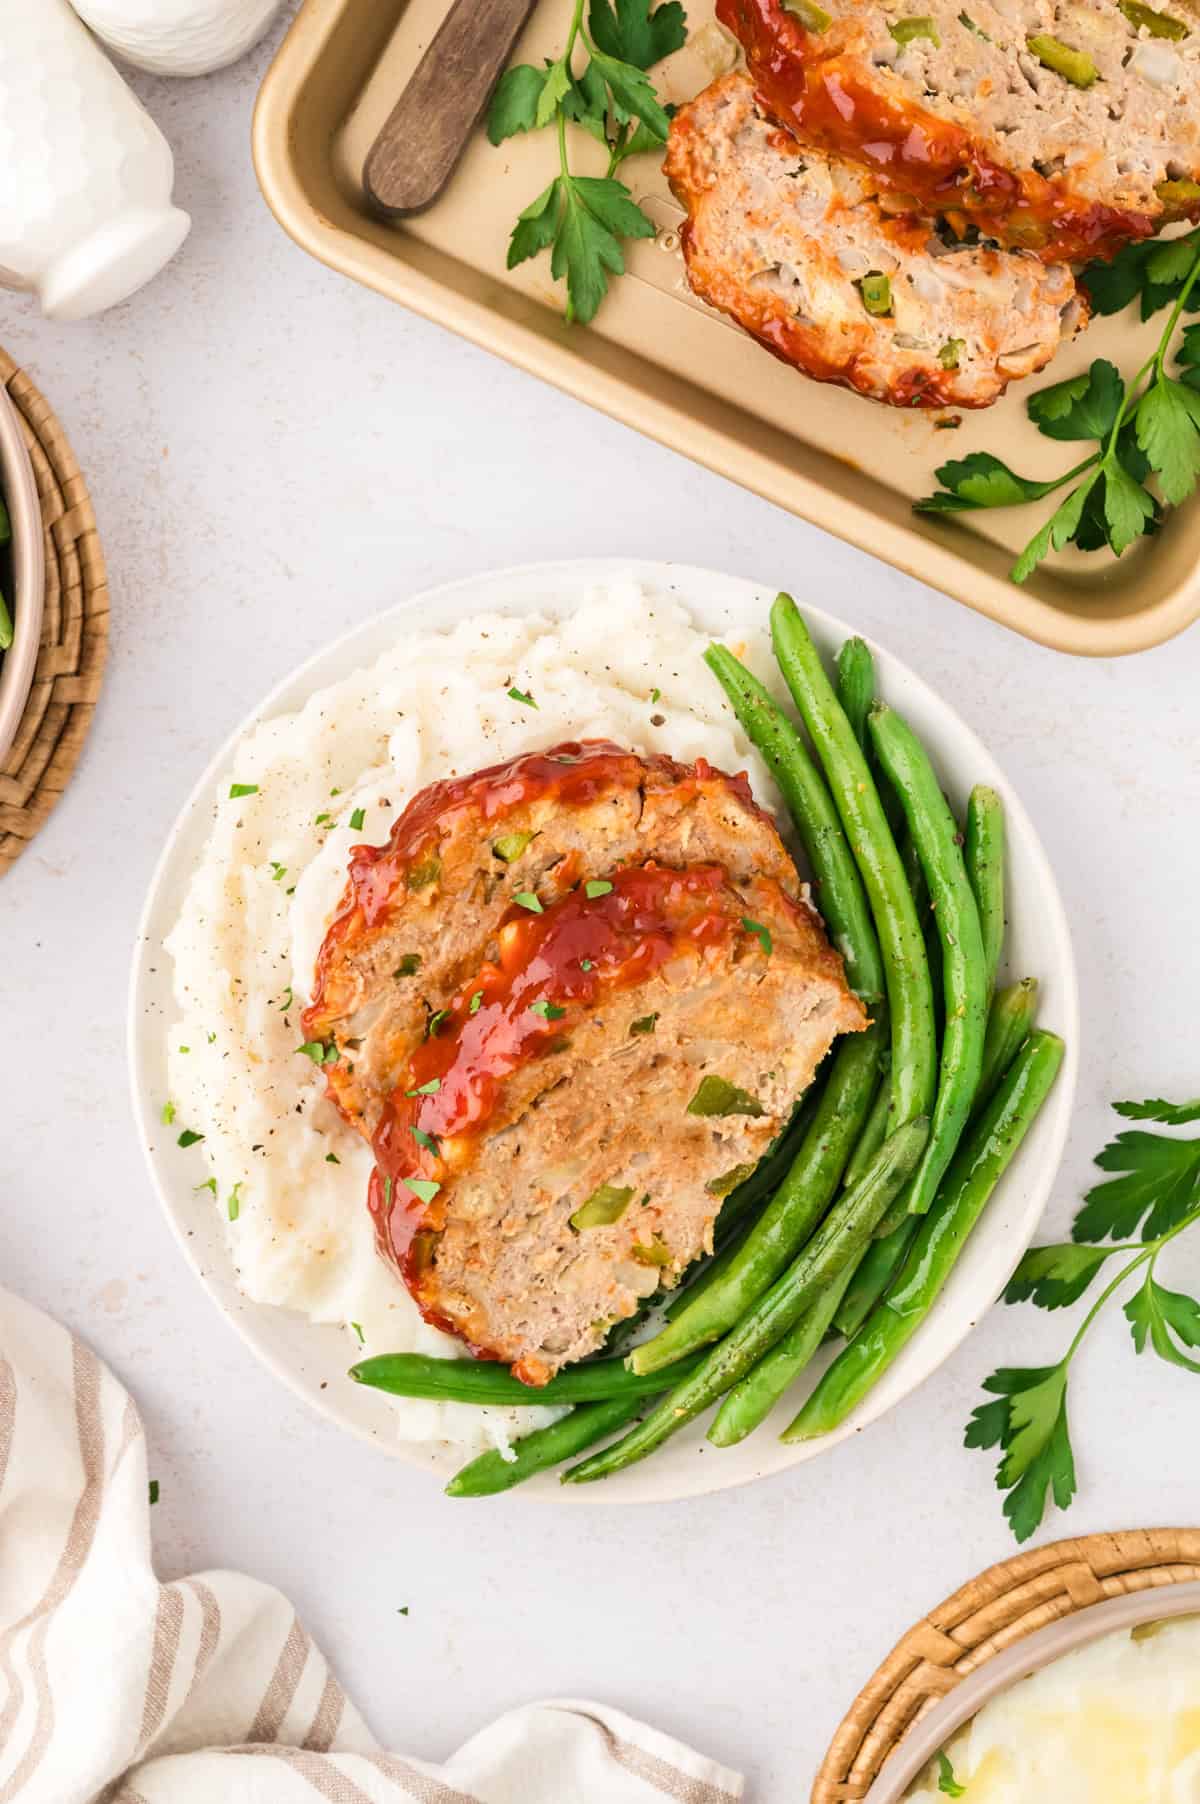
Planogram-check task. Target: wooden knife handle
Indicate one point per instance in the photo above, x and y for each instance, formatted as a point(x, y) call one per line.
point(415, 154)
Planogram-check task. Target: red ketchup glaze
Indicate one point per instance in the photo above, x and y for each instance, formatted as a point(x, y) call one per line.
point(576, 772)
point(564, 961)
point(808, 85)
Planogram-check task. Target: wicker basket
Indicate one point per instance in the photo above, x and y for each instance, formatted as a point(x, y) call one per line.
point(999, 1608)
point(70, 662)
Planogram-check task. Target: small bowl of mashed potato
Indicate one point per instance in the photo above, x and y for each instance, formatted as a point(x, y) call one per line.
point(1102, 1707)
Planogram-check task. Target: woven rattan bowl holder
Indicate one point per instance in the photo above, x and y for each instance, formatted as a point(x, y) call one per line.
point(70, 662)
point(993, 1612)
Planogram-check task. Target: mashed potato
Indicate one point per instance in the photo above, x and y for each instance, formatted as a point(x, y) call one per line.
point(284, 1167)
point(1114, 1723)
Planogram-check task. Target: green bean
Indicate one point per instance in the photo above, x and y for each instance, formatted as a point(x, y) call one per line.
point(791, 1215)
point(1010, 1020)
point(876, 1269)
point(481, 1381)
point(545, 1447)
point(935, 835)
point(753, 1397)
point(910, 859)
point(834, 1249)
point(839, 886)
point(914, 1049)
point(874, 1128)
point(980, 1162)
point(856, 686)
point(984, 855)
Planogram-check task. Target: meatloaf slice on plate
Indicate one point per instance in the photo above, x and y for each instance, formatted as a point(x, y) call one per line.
point(570, 1003)
point(1063, 126)
point(794, 245)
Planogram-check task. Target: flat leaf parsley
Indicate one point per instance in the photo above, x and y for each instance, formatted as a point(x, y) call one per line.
point(1144, 430)
point(1153, 1196)
point(582, 219)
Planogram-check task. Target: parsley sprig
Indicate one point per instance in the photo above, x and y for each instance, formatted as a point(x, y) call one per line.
point(1147, 428)
point(1155, 1197)
point(581, 219)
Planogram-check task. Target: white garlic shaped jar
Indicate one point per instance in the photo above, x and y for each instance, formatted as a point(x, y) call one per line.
point(87, 216)
point(178, 37)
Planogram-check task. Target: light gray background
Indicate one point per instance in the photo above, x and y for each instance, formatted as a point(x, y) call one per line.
point(275, 455)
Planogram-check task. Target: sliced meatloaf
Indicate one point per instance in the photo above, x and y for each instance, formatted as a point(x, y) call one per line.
point(1063, 126)
point(795, 246)
point(570, 1003)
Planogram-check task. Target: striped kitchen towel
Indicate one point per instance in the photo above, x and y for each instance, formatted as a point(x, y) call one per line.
point(116, 1688)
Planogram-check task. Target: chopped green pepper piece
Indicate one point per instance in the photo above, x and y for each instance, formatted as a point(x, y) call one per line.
point(1075, 66)
point(511, 845)
point(645, 1025)
point(905, 30)
point(420, 876)
point(409, 965)
point(716, 1096)
point(729, 1180)
point(603, 1207)
point(1159, 25)
point(950, 353)
point(1178, 193)
point(968, 21)
point(876, 291)
point(813, 17)
point(655, 1254)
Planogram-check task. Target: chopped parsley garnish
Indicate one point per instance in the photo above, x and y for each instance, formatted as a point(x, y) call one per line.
point(335, 792)
point(185, 1049)
point(948, 1783)
point(153, 1487)
point(387, 1193)
point(208, 1184)
point(510, 846)
point(519, 695)
point(547, 1010)
point(235, 1202)
point(646, 1025)
point(476, 1003)
point(597, 886)
point(585, 964)
point(429, 1089)
point(168, 1113)
point(656, 695)
point(210, 1038)
point(332, 1159)
point(320, 1051)
point(604, 1207)
point(357, 1327)
point(433, 1025)
point(424, 1189)
point(278, 871)
point(716, 1096)
point(286, 1001)
point(421, 875)
point(729, 1180)
point(760, 932)
point(426, 1140)
point(237, 790)
point(527, 899)
point(323, 820)
point(188, 1138)
point(357, 819)
point(409, 965)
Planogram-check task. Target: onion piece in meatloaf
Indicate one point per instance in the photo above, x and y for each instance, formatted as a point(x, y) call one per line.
point(1067, 127)
point(570, 1002)
point(795, 247)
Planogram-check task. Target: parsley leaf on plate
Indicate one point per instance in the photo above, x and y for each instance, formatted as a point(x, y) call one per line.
point(1084, 406)
point(629, 30)
point(947, 1780)
point(1159, 1178)
point(1174, 1114)
point(1054, 1277)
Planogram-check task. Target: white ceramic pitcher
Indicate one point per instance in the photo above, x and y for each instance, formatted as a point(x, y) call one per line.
point(178, 37)
point(87, 215)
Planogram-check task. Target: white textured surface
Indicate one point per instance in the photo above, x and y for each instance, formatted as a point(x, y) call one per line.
point(274, 455)
point(78, 151)
point(178, 37)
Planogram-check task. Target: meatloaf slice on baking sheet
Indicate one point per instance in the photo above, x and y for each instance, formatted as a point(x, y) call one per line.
point(1063, 126)
point(794, 245)
point(570, 1002)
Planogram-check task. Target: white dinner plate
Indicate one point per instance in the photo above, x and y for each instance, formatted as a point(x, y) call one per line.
point(313, 1359)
